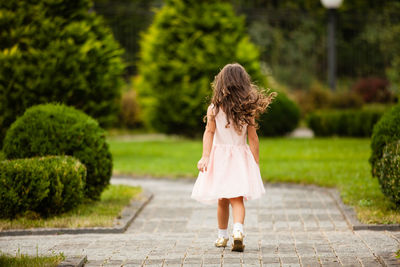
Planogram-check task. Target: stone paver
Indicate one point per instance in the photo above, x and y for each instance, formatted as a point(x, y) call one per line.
point(289, 226)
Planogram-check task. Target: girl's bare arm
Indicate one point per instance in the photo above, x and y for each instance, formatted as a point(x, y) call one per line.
point(208, 138)
point(253, 142)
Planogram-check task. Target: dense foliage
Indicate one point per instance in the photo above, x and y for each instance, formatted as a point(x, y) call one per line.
point(282, 116)
point(292, 36)
point(50, 129)
point(57, 51)
point(317, 97)
point(185, 47)
point(388, 172)
point(344, 122)
point(127, 19)
point(44, 185)
point(386, 131)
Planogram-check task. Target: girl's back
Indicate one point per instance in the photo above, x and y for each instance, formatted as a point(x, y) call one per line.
point(227, 135)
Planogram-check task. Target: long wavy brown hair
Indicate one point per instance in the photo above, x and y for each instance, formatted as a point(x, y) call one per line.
point(241, 100)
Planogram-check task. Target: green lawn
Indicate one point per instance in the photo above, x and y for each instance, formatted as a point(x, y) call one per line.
point(333, 162)
point(21, 260)
point(90, 214)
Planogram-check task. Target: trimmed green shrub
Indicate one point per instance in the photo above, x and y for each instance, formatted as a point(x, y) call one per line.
point(282, 117)
point(60, 130)
point(185, 47)
point(45, 185)
point(388, 172)
point(386, 131)
point(344, 122)
point(56, 50)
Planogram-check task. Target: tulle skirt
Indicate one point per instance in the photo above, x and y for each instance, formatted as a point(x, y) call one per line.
point(231, 172)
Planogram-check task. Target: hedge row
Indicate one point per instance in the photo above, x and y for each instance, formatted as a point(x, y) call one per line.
point(344, 122)
point(45, 185)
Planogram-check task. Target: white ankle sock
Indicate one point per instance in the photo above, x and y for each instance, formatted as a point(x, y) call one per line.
point(238, 227)
point(223, 233)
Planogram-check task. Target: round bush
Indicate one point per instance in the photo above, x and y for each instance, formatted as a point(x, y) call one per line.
point(54, 129)
point(388, 172)
point(282, 117)
point(45, 185)
point(181, 52)
point(62, 53)
point(386, 131)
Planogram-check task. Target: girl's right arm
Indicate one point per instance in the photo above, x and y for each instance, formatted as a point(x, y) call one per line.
point(253, 142)
point(208, 138)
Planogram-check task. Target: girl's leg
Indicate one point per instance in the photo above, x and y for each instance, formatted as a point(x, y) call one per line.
point(238, 220)
point(223, 213)
point(238, 209)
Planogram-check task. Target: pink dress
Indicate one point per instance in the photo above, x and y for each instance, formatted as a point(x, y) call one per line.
point(232, 170)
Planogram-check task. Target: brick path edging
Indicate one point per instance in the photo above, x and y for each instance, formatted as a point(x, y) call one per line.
point(350, 215)
point(128, 214)
point(388, 260)
point(77, 261)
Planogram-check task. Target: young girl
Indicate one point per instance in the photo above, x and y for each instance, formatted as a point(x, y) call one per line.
point(229, 168)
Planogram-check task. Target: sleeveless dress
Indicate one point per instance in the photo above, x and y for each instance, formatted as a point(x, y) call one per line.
point(232, 170)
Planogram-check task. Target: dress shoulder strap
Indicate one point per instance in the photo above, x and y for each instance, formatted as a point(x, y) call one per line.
point(211, 108)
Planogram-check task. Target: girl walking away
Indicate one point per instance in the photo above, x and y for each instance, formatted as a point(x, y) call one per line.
point(229, 167)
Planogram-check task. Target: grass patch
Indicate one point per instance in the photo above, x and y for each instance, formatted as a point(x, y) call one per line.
point(89, 214)
point(332, 162)
point(22, 260)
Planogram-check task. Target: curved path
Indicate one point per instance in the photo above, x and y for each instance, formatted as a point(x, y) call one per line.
point(289, 226)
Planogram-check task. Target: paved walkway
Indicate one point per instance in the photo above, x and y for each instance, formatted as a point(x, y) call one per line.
point(289, 226)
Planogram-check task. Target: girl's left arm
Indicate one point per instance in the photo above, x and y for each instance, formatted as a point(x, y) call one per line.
point(253, 142)
point(208, 138)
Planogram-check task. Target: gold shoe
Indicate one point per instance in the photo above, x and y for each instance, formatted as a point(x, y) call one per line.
point(237, 244)
point(221, 242)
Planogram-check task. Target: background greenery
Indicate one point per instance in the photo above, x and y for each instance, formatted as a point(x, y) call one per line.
point(128, 19)
point(57, 51)
point(292, 36)
point(181, 52)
